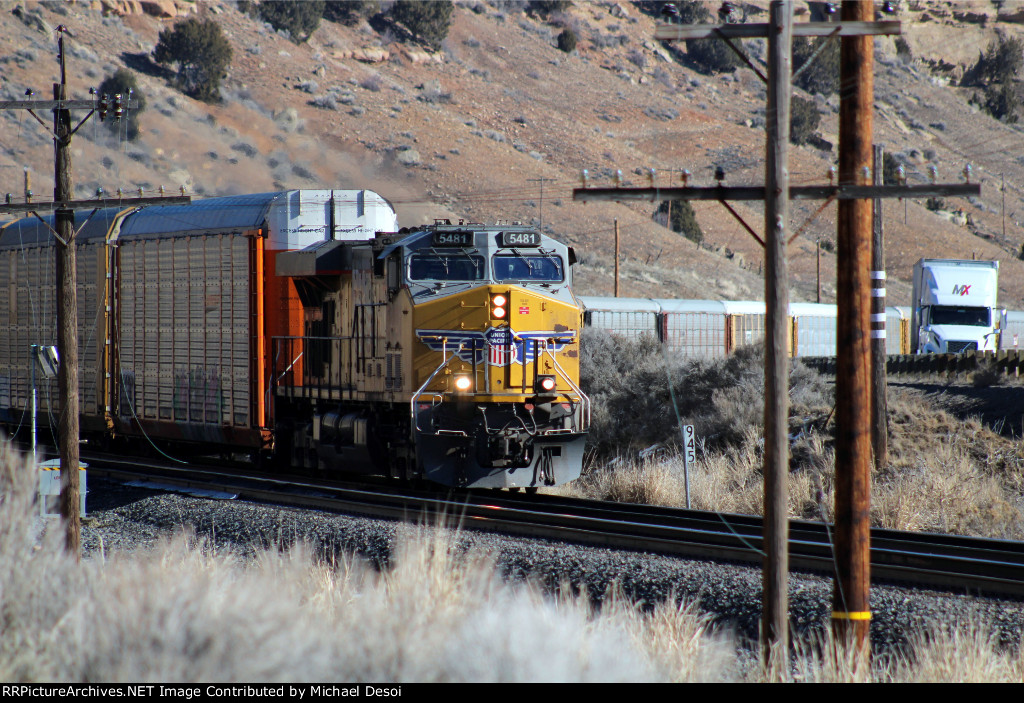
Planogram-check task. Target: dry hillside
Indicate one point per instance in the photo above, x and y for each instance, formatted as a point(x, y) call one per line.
point(472, 130)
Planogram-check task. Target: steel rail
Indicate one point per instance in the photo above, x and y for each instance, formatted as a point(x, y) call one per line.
point(956, 563)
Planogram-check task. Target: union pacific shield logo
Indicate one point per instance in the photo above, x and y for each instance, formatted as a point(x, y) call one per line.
point(498, 346)
point(501, 351)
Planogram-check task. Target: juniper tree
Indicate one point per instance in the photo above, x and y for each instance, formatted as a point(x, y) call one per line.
point(202, 54)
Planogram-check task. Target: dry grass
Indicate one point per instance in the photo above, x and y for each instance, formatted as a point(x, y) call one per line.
point(968, 653)
point(181, 613)
point(943, 474)
point(968, 481)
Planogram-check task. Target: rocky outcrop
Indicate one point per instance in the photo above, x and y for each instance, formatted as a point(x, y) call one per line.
point(161, 9)
point(366, 54)
point(419, 56)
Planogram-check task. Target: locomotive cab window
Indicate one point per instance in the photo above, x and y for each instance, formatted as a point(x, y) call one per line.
point(455, 266)
point(528, 267)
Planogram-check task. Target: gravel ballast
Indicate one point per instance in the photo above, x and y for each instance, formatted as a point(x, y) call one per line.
point(122, 517)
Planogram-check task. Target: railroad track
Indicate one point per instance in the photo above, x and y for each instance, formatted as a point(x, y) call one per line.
point(1005, 362)
point(949, 562)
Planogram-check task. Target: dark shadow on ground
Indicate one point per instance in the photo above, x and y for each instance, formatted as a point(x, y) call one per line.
point(1000, 407)
point(143, 63)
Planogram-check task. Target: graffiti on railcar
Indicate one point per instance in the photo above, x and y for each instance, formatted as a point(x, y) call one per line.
point(5, 397)
point(198, 395)
point(126, 403)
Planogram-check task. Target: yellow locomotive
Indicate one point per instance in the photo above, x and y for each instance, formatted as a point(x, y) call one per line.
point(449, 352)
point(299, 326)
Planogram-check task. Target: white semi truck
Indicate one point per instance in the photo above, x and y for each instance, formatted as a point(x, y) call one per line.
point(954, 306)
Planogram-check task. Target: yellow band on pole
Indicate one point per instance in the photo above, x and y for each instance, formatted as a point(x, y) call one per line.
point(861, 615)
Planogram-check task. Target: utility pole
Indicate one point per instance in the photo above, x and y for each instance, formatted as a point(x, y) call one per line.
point(66, 279)
point(541, 181)
point(616, 258)
point(817, 268)
point(851, 610)
point(855, 186)
point(775, 595)
point(879, 408)
point(67, 316)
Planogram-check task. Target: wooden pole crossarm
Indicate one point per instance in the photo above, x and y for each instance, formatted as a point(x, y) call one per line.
point(91, 104)
point(40, 121)
point(810, 59)
point(52, 230)
point(671, 32)
point(743, 57)
point(82, 122)
point(97, 203)
point(810, 219)
point(94, 211)
point(740, 219)
point(842, 192)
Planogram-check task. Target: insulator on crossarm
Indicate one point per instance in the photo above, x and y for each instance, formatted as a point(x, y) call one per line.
point(585, 177)
point(99, 192)
point(104, 106)
point(866, 173)
point(685, 177)
point(967, 173)
point(831, 175)
point(140, 191)
point(651, 174)
point(618, 178)
point(161, 191)
point(933, 173)
point(719, 174)
point(120, 192)
point(182, 189)
point(8, 198)
point(118, 107)
point(901, 175)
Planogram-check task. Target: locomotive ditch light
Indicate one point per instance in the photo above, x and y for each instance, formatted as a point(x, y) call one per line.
point(463, 384)
point(545, 385)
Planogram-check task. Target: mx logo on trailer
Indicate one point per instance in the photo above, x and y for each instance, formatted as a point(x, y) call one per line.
point(498, 346)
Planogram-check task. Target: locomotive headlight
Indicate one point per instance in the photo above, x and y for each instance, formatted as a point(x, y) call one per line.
point(498, 303)
point(463, 383)
point(545, 384)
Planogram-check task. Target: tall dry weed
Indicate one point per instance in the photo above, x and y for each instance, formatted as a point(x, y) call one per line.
point(968, 652)
point(183, 611)
point(679, 638)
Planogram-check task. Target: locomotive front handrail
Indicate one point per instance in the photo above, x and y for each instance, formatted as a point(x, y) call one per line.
point(561, 372)
point(415, 396)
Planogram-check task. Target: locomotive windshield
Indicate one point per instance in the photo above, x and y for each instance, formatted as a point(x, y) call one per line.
point(454, 266)
point(528, 267)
